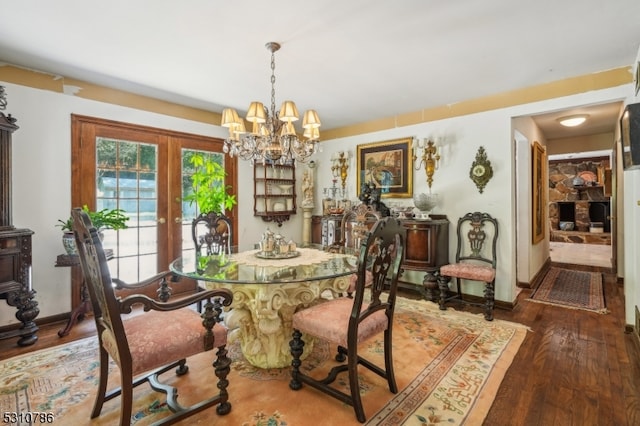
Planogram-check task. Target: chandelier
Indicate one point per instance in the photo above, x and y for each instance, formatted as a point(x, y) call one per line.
point(273, 137)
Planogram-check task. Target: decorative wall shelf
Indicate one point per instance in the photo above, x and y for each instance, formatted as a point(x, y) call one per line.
point(274, 192)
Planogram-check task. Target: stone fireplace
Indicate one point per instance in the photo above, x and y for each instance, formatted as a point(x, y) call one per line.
point(579, 201)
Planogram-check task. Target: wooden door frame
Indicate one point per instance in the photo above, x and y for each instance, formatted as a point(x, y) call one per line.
point(83, 190)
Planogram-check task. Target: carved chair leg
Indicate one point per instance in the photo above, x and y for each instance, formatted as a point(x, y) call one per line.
point(341, 354)
point(296, 344)
point(102, 385)
point(489, 297)
point(354, 383)
point(126, 397)
point(443, 284)
point(222, 366)
point(164, 291)
point(388, 361)
point(183, 368)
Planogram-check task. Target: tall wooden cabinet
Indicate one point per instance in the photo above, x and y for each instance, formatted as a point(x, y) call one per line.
point(15, 250)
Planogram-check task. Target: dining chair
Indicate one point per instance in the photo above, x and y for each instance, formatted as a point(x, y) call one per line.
point(354, 226)
point(212, 234)
point(476, 260)
point(347, 322)
point(155, 338)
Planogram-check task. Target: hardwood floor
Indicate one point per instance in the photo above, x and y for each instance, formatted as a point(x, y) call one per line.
point(574, 367)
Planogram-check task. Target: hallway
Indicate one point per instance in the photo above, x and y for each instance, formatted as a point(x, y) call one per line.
point(596, 255)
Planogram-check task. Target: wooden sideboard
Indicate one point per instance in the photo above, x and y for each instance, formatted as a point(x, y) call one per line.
point(427, 248)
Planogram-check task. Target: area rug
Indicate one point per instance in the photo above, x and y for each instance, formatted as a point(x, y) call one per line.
point(572, 289)
point(448, 366)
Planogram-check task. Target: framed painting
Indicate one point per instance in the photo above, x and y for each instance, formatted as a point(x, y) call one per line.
point(387, 165)
point(540, 189)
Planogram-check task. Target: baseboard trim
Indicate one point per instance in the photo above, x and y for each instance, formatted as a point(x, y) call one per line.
point(58, 318)
point(537, 279)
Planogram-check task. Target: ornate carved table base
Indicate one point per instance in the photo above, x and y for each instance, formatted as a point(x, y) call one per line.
point(261, 315)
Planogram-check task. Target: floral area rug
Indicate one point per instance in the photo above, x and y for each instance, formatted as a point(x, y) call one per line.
point(448, 366)
point(572, 289)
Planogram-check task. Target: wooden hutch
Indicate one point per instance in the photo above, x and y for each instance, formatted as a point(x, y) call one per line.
point(15, 249)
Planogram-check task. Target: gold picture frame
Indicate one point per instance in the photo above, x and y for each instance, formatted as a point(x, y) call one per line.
point(539, 192)
point(388, 165)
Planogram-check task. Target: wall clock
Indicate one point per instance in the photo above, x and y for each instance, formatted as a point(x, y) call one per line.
point(481, 171)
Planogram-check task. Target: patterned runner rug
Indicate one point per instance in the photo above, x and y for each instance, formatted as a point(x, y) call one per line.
point(448, 366)
point(572, 289)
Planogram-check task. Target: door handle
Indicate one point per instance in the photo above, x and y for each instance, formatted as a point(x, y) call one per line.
point(178, 220)
point(161, 220)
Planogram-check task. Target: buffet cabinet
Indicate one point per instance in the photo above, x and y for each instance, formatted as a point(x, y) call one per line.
point(426, 250)
point(426, 247)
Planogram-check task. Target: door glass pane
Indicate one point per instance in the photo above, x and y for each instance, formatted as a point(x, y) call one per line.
point(126, 178)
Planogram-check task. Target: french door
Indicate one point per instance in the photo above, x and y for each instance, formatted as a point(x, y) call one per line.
point(143, 171)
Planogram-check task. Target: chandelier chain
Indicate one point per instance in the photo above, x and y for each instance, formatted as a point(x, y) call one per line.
point(273, 84)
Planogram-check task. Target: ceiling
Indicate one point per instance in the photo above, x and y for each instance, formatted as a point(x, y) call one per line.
point(600, 119)
point(353, 61)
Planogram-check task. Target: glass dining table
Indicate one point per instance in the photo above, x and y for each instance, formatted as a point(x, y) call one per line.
point(267, 292)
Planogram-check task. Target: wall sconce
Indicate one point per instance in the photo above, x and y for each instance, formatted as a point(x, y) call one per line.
point(430, 157)
point(339, 166)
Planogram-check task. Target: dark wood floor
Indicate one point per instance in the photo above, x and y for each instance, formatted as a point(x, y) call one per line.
point(574, 367)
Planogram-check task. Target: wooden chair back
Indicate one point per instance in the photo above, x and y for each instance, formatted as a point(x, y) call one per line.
point(381, 254)
point(212, 234)
point(355, 225)
point(106, 310)
point(477, 235)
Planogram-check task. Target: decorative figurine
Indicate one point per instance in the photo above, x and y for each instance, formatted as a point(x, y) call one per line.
point(370, 196)
point(307, 189)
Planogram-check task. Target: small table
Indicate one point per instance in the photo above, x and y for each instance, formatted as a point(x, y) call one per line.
point(78, 313)
point(267, 292)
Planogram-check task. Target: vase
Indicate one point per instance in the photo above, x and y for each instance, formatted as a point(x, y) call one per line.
point(69, 243)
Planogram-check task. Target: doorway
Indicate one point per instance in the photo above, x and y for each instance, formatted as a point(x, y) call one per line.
point(597, 134)
point(580, 209)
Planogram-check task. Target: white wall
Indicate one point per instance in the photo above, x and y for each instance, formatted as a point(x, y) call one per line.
point(458, 194)
point(531, 258)
point(631, 188)
point(42, 176)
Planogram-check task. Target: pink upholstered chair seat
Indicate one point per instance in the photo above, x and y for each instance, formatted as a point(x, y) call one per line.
point(469, 271)
point(330, 321)
point(154, 341)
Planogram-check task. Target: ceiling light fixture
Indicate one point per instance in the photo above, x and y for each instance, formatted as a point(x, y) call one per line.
point(573, 120)
point(273, 137)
